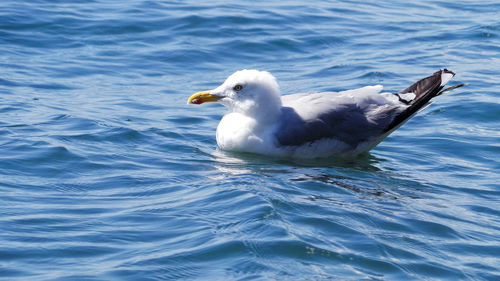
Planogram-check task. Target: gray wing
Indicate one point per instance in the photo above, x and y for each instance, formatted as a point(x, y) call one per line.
point(349, 117)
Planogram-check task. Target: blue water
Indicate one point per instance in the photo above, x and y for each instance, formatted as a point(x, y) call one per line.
point(107, 174)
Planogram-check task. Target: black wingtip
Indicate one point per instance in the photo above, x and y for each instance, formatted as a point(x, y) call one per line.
point(424, 90)
point(447, 71)
point(451, 88)
point(428, 87)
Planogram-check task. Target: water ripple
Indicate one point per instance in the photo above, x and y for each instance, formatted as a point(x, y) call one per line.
point(106, 173)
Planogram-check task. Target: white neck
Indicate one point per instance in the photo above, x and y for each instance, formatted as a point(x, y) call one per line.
point(264, 111)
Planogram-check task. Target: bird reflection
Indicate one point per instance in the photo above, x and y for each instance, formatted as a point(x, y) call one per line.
point(325, 170)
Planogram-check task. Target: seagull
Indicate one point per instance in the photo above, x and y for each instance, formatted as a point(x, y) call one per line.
point(312, 125)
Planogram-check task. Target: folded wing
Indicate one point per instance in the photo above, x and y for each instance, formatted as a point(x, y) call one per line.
point(351, 117)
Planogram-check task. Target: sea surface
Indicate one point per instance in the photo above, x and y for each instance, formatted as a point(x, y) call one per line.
point(107, 174)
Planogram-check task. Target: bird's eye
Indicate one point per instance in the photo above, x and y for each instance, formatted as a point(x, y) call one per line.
point(238, 88)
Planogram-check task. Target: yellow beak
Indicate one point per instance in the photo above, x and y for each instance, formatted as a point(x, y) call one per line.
point(202, 97)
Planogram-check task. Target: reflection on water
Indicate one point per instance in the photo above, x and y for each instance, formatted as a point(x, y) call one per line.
point(360, 176)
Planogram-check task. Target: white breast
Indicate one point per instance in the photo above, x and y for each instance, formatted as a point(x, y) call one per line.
point(235, 132)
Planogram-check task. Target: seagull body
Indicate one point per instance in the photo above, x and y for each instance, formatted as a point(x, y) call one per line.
point(311, 125)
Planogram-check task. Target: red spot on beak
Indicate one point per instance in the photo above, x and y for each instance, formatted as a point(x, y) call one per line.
point(196, 101)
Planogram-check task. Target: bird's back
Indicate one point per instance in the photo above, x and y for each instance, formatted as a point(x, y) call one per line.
point(351, 117)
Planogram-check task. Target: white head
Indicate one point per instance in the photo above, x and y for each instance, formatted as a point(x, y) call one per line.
point(250, 92)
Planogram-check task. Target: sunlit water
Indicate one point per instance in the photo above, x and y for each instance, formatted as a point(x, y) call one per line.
point(106, 173)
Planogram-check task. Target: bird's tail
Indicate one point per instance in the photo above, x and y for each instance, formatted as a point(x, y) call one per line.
point(418, 95)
